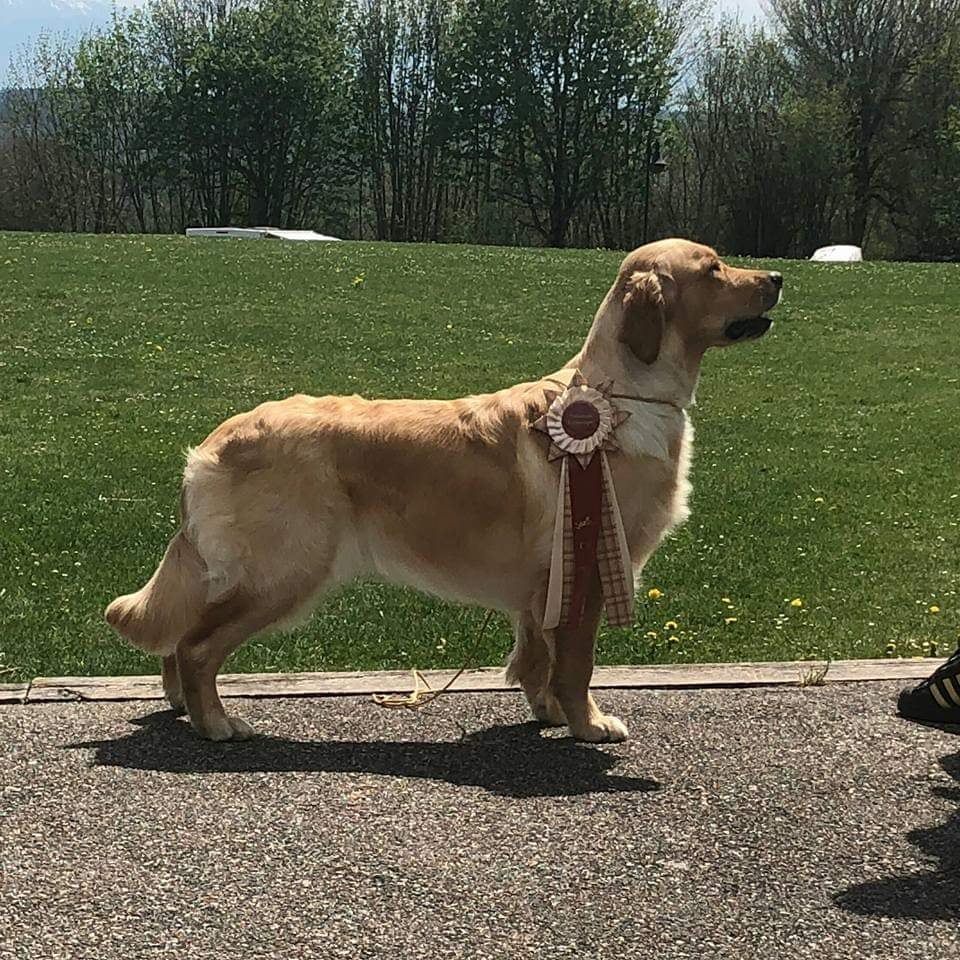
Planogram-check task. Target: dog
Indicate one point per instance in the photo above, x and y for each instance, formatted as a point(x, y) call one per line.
point(283, 504)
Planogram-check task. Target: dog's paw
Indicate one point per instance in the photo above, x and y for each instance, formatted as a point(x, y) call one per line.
point(548, 711)
point(176, 701)
point(224, 728)
point(604, 729)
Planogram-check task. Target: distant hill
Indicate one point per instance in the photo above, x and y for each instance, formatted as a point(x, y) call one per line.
point(23, 20)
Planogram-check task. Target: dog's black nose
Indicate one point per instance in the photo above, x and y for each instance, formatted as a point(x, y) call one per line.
point(777, 280)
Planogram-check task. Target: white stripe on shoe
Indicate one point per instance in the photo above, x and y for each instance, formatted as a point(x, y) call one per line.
point(938, 696)
point(951, 689)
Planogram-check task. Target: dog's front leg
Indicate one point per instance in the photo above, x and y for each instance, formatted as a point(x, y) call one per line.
point(573, 649)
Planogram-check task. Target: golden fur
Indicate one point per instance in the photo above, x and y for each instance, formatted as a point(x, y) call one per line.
point(455, 497)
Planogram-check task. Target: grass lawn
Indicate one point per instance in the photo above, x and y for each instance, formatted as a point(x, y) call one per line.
point(826, 459)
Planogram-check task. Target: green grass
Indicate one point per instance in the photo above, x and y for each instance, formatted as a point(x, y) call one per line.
point(826, 457)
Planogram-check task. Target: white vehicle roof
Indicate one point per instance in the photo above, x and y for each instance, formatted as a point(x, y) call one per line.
point(839, 253)
point(258, 233)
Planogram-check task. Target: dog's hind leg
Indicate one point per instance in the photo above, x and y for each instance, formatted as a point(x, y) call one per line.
point(202, 652)
point(529, 665)
point(171, 682)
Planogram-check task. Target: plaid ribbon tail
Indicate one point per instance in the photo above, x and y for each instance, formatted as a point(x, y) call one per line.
point(613, 556)
point(586, 515)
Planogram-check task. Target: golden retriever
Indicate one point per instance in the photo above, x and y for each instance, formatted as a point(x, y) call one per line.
point(281, 505)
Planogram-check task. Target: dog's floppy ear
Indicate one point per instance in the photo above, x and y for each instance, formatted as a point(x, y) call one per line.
point(645, 313)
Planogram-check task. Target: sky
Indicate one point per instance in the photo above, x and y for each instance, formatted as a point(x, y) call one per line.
point(749, 9)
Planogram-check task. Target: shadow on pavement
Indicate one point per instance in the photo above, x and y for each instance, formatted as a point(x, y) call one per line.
point(928, 895)
point(512, 761)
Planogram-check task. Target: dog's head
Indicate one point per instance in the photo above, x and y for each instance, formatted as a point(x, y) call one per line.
point(682, 289)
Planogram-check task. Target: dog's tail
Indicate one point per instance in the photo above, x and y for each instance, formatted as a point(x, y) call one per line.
point(172, 601)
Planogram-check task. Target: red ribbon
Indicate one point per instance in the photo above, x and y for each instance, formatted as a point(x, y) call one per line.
point(586, 495)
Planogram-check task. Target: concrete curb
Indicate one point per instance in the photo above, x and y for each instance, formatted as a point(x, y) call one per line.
point(486, 679)
point(13, 692)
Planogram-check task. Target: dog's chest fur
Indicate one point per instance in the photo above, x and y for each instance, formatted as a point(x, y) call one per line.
point(651, 474)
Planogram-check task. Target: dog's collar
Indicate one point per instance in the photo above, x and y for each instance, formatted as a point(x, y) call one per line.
point(626, 396)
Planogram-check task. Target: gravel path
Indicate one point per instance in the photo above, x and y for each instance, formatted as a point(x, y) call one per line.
point(737, 824)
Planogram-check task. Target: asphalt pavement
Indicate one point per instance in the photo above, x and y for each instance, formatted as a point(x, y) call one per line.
point(773, 823)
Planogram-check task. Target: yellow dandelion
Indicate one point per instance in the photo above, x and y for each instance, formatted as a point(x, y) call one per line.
point(796, 602)
point(652, 634)
point(671, 625)
point(729, 619)
point(673, 639)
point(818, 499)
point(725, 600)
point(654, 594)
point(357, 280)
point(934, 608)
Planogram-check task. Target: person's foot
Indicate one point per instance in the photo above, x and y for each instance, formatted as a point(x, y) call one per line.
point(936, 699)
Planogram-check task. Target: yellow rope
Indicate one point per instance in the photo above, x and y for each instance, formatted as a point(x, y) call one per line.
point(422, 692)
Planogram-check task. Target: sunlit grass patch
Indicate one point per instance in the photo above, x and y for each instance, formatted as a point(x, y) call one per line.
point(825, 466)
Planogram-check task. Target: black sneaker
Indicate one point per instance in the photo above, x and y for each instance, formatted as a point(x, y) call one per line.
point(936, 699)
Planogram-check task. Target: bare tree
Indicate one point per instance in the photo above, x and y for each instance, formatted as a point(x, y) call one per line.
point(871, 51)
point(583, 82)
point(43, 109)
point(403, 51)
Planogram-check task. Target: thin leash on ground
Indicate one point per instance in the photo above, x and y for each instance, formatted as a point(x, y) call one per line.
point(422, 692)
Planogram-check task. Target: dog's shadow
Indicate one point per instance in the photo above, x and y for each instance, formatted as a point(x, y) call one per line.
point(510, 760)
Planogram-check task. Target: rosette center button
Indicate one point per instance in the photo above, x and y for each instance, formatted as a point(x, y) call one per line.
point(580, 420)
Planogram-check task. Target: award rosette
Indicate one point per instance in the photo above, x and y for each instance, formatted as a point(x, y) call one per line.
point(588, 532)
